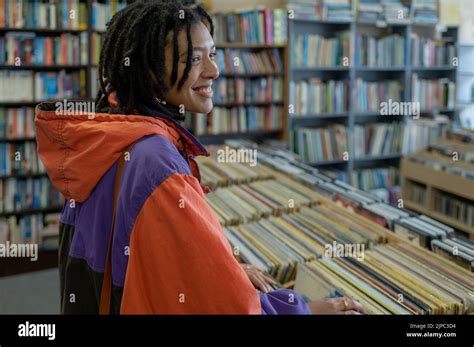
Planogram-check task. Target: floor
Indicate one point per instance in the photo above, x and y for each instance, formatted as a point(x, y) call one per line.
point(32, 293)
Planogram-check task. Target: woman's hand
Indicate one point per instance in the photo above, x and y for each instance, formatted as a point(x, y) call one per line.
point(336, 306)
point(257, 277)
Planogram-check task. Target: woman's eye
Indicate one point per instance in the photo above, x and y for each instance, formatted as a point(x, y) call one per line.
point(196, 59)
point(213, 55)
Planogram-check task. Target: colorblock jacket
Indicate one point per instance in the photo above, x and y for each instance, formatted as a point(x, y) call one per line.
point(169, 253)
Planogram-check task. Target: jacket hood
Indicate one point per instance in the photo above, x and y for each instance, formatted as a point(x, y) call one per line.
point(77, 150)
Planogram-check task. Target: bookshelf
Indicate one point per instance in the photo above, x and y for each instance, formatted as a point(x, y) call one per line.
point(436, 182)
point(354, 70)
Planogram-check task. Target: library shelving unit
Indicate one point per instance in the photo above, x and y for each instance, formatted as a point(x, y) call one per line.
point(353, 71)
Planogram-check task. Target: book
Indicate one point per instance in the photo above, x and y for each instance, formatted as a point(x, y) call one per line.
point(40, 229)
point(19, 194)
point(313, 50)
point(19, 159)
point(427, 52)
point(424, 11)
point(314, 96)
point(233, 61)
point(26, 49)
point(370, 95)
point(304, 9)
point(103, 12)
point(386, 51)
point(55, 15)
point(248, 90)
point(320, 144)
point(433, 93)
point(17, 122)
point(239, 119)
point(377, 139)
point(258, 25)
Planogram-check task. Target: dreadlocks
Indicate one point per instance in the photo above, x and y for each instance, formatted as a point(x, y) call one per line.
point(132, 58)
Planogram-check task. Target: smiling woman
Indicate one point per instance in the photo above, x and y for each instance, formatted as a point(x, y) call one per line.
point(136, 233)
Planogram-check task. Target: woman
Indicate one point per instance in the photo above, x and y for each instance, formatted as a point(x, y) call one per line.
point(167, 252)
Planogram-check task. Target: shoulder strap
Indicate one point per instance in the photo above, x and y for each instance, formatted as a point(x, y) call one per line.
point(106, 291)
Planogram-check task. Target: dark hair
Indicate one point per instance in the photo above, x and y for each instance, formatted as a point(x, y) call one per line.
point(138, 32)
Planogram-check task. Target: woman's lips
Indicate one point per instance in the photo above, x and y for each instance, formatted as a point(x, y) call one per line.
point(205, 92)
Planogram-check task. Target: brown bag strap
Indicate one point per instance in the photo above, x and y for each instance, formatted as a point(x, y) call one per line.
point(106, 291)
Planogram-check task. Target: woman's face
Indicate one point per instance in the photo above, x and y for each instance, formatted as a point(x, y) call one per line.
point(196, 93)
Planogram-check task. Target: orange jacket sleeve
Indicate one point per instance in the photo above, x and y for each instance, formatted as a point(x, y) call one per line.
point(180, 261)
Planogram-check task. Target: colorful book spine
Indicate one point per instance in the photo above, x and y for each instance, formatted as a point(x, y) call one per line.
point(19, 194)
point(385, 51)
point(25, 49)
point(55, 15)
point(224, 120)
point(321, 144)
point(316, 96)
point(259, 25)
point(378, 139)
point(103, 12)
point(240, 90)
point(427, 52)
point(19, 159)
point(311, 50)
point(232, 61)
point(370, 95)
point(434, 93)
point(17, 122)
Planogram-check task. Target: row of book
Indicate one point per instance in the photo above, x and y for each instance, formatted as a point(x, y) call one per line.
point(40, 229)
point(382, 10)
point(370, 95)
point(431, 53)
point(19, 194)
point(24, 49)
point(103, 12)
point(96, 44)
point(233, 61)
point(381, 182)
point(380, 51)
point(321, 144)
point(408, 226)
point(457, 208)
point(316, 96)
point(312, 50)
point(17, 122)
point(391, 279)
point(239, 119)
point(432, 94)
point(425, 11)
point(240, 90)
point(371, 140)
point(19, 159)
point(259, 25)
point(31, 86)
point(56, 15)
point(391, 11)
